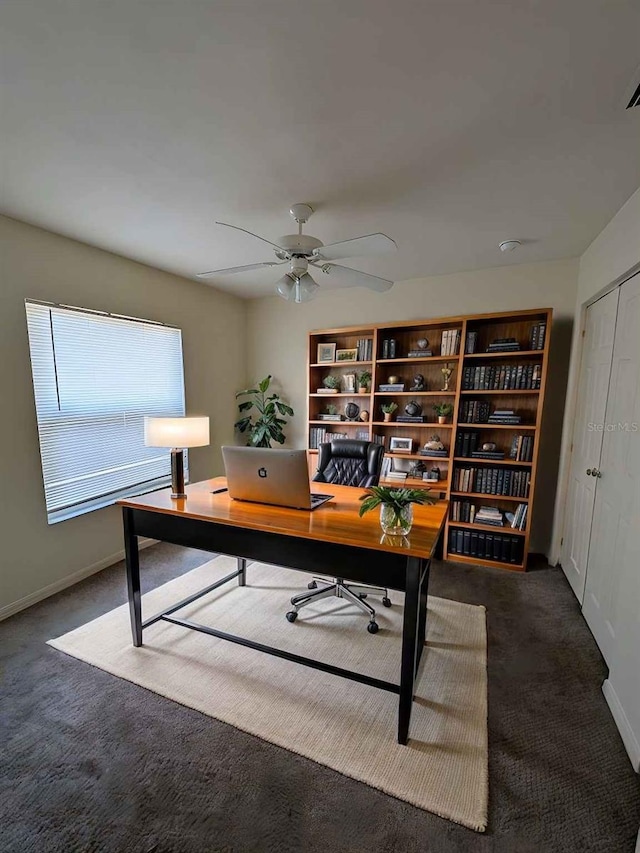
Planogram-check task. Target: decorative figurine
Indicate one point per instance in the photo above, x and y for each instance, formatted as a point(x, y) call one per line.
point(352, 411)
point(393, 380)
point(488, 447)
point(413, 409)
point(434, 443)
point(423, 343)
point(417, 469)
point(418, 383)
point(446, 375)
point(364, 415)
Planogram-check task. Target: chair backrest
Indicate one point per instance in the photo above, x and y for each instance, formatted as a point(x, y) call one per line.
point(348, 462)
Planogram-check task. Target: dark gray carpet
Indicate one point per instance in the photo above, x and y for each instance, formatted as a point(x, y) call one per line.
point(92, 763)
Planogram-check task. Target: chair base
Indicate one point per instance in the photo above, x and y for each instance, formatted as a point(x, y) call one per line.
point(350, 592)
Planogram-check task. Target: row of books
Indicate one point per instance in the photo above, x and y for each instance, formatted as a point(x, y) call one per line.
point(318, 435)
point(500, 547)
point(522, 448)
point(364, 349)
point(504, 416)
point(471, 342)
point(450, 343)
point(467, 512)
point(492, 481)
point(466, 443)
point(501, 377)
point(504, 345)
point(474, 411)
point(518, 519)
point(537, 336)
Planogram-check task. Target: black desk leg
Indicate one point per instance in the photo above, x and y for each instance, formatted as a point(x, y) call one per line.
point(242, 571)
point(409, 647)
point(133, 575)
point(422, 613)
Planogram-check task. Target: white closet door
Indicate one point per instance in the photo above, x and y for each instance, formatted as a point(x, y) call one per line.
point(587, 437)
point(615, 536)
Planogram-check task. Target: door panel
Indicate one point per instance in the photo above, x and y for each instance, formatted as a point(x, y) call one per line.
point(588, 436)
point(616, 526)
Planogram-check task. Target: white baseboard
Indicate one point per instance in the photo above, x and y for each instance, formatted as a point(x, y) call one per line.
point(69, 580)
point(626, 732)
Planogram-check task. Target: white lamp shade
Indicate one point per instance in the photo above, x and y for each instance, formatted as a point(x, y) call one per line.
point(176, 432)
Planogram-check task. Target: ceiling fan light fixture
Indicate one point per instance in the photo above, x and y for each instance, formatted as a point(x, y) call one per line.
point(285, 287)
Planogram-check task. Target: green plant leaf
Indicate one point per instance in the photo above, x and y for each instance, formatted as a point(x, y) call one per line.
point(246, 391)
point(265, 383)
point(248, 404)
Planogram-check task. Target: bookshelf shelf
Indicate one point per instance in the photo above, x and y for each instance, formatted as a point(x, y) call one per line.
point(529, 328)
point(506, 528)
point(516, 354)
point(467, 459)
point(415, 393)
point(489, 497)
point(513, 392)
point(431, 358)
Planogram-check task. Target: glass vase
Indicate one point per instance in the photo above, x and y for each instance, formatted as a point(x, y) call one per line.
point(396, 524)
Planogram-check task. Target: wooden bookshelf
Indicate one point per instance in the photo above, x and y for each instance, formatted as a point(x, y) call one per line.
point(512, 367)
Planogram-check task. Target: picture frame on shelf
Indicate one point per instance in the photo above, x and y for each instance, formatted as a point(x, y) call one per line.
point(326, 353)
point(347, 354)
point(400, 444)
point(349, 383)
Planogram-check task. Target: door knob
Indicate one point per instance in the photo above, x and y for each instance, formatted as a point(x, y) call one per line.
point(589, 472)
point(596, 473)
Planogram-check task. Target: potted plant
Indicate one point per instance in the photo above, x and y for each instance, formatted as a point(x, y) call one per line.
point(387, 410)
point(332, 383)
point(396, 507)
point(442, 410)
point(269, 422)
point(364, 382)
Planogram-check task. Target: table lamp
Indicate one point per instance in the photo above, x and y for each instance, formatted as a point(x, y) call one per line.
point(176, 433)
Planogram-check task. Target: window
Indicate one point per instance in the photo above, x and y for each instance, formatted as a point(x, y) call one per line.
point(95, 377)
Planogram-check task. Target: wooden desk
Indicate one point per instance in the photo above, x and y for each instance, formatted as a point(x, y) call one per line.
point(331, 540)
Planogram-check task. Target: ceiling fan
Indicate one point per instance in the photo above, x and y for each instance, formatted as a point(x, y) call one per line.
point(301, 251)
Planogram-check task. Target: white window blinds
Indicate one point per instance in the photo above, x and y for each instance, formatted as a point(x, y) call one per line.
point(95, 377)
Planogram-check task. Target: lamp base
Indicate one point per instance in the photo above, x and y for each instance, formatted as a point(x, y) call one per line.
point(177, 474)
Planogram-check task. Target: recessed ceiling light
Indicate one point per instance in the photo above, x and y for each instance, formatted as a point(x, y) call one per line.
point(509, 245)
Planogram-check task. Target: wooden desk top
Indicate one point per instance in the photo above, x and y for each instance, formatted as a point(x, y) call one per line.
point(335, 521)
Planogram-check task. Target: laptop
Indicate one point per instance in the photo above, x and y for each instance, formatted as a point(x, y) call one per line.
point(263, 475)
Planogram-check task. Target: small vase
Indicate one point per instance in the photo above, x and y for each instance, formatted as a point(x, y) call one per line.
point(395, 525)
point(442, 419)
point(363, 389)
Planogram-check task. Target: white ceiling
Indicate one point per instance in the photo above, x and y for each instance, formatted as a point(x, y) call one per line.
point(448, 124)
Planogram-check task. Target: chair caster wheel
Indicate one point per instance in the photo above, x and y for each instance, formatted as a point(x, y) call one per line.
point(312, 585)
point(292, 616)
point(362, 596)
point(386, 602)
point(372, 628)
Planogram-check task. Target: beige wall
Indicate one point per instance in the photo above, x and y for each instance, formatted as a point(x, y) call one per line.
point(41, 265)
point(277, 339)
point(612, 256)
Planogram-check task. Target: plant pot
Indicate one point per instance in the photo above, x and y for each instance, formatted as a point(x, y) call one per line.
point(387, 416)
point(363, 389)
point(442, 419)
point(394, 524)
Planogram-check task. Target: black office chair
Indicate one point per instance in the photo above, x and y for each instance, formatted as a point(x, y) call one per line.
point(346, 462)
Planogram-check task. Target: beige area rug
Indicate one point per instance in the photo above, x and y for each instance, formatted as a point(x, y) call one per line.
point(342, 724)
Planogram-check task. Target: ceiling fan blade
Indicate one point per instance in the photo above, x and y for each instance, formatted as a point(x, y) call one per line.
point(358, 247)
point(346, 277)
point(251, 234)
point(243, 268)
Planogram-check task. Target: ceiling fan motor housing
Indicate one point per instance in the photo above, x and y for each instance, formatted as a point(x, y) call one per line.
point(300, 244)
